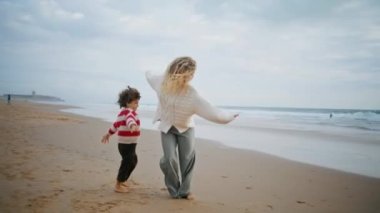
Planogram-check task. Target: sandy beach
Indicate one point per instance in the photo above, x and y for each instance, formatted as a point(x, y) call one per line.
point(53, 161)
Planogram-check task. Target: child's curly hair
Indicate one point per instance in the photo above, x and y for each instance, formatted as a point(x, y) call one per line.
point(127, 96)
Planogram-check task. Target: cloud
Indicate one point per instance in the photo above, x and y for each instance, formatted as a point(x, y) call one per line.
point(52, 10)
point(262, 52)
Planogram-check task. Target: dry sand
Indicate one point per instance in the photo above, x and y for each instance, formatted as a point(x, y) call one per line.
point(54, 162)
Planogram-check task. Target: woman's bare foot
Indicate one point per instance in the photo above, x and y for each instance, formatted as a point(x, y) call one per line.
point(188, 197)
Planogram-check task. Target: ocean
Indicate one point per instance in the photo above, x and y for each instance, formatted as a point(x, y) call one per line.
point(341, 139)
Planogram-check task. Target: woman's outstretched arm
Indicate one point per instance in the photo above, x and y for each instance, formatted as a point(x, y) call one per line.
point(154, 80)
point(209, 112)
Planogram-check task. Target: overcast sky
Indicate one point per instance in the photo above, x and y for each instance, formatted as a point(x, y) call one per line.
point(284, 53)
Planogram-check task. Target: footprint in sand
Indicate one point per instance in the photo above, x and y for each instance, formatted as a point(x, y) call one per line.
point(92, 206)
point(15, 152)
point(27, 175)
point(304, 202)
point(134, 183)
point(42, 200)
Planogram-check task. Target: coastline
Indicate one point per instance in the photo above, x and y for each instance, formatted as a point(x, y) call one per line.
point(354, 150)
point(54, 161)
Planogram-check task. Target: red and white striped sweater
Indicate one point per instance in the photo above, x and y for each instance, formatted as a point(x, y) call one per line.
point(123, 124)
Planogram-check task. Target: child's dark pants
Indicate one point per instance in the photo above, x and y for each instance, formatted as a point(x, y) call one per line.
point(129, 161)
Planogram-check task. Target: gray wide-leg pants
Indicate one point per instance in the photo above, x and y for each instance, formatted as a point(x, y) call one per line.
point(178, 184)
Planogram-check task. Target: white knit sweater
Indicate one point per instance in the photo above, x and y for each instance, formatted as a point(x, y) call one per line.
point(178, 110)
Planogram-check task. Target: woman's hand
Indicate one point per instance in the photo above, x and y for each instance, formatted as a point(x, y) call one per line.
point(106, 138)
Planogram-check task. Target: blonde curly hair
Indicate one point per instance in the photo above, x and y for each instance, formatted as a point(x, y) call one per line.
point(178, 74)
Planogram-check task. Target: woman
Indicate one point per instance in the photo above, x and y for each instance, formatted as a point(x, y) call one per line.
point(178, 102)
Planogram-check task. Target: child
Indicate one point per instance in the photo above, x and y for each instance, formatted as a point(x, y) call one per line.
point(127, 126)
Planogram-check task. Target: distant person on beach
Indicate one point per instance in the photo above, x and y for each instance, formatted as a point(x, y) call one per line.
point(331, 115)
point(127, 126)
point(178, 102)
point(9, 98)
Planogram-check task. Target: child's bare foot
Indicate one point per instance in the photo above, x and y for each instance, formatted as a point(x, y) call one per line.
point(120, 188)
point(124, 184)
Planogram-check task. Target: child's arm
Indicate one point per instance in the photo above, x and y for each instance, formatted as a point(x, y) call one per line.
point(204, 109)
point(131, 123)
point(113, 129)
point(106, 138)
point(135, 128)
